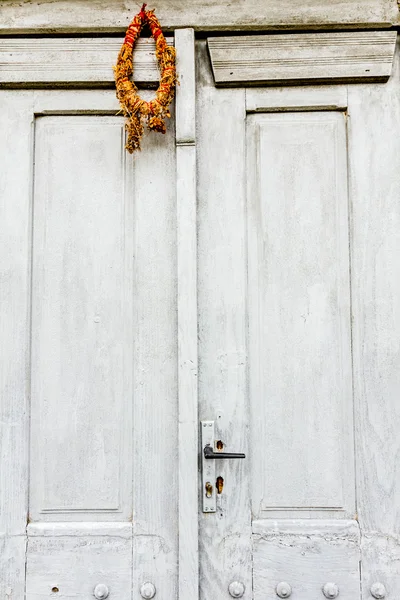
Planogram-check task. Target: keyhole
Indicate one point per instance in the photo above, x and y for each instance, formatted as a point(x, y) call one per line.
point(209, 489)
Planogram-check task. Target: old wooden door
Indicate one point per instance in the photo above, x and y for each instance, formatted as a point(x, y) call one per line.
point(89, 495)
point(297, 323)
point(99, 251)
point(298, 243)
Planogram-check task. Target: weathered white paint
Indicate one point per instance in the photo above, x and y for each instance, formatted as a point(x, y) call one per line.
point(91, 224)
point(302, 98)
point(300, 435)
point(308, 555)
point(63, 102)
point(374, 151)
point(186, 89)
point(187, 314)
point(306, 57)
point(12, 566)
point(15, 141)
point(299, 313)
point(72, 61)
point(72, 547)
point(225, 536)
point(114, 16)
point(82, 307)
point(155, 366)
point(75, 558)
point(270, 59)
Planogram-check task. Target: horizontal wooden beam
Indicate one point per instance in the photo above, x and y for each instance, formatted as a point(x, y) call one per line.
point(108, 16)
point(40, 61)
point(302, 58)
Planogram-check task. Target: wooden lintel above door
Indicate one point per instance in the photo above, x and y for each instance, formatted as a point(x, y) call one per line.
point(357, 56)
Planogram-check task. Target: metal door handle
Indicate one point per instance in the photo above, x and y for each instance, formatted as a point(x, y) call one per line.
point(210, 487)
point(209, 453)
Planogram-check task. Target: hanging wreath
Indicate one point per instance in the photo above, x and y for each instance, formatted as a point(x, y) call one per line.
point(137, 110)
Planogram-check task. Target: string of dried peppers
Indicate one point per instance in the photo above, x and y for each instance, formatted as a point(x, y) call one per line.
point(137, 110)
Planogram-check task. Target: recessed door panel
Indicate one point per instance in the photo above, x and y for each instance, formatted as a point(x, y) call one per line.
point(94, 257)
point(299, 313)
point(82, 310)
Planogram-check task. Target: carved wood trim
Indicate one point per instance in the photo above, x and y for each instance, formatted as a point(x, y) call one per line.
point(302, 58)
point(58, 61)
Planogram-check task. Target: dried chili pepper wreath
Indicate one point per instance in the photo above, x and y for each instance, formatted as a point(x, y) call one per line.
point(137, 110)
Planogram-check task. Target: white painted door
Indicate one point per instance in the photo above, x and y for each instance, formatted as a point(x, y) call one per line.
point(98, 405)
point(89, 351)
point(298, 328)
point(298, 245)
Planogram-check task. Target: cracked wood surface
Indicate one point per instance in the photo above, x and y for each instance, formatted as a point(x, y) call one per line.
point(309, 553)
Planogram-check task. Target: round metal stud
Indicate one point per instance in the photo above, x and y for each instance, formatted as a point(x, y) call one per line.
point(283, 590)
point(148, 590)
point(330, 590)
point(236, 589)
point(378, 590)
point(101, 591)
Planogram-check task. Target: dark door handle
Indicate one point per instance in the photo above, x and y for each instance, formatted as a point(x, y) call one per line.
point(209, 453)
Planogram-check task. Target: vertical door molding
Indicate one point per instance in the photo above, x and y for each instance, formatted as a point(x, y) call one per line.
point(374, 184)
point(15, 203)
point(187, 314)
point(225, 536)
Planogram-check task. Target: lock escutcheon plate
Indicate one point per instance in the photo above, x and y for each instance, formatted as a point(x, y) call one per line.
point(208, 490)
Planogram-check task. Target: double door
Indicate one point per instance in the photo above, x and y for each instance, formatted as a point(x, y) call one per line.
point(135, 309)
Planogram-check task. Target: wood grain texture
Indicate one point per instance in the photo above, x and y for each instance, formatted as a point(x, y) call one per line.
point(306, 553)
point(15, 208)
point(155, 366)
point(374, 168)
point(12, 566)
point(297, 58)
point(75, 561)
point(225, 536)
point(64, 102)
point(25, 62)
point(140, 239)
point(186, 200)
point(186, 90)
point(299, 313)
point(39, 16)
point(301, 98)
point(82, 304)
